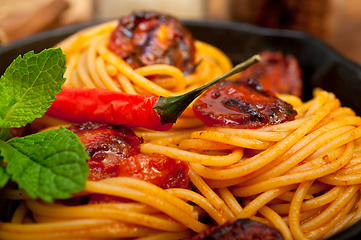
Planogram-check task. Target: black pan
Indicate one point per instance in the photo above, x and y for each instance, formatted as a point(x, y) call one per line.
point(321, 65)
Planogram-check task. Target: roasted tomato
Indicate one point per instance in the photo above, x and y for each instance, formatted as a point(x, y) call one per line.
point(107, 145)
point(277, 72)
point(158, 169)
point(241, 229)
point(145, 38)
point(19, 132)
point(115, 151)
point(241, 104)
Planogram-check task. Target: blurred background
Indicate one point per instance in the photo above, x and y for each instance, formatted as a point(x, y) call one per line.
point(336, 22)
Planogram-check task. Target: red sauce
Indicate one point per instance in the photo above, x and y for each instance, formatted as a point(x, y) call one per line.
point(241, 104)
point(145, 38)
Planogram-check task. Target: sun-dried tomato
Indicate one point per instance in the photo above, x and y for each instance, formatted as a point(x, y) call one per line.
point(277, 72)
point(114, 151)
point(147, 37)
point(241, 104)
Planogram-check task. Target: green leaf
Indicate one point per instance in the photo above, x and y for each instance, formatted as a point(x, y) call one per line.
point(4, 134)
point(4, 177)
point(28, 85)
point(50, 165)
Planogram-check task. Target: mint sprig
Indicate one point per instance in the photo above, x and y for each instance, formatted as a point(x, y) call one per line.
point(28, 85)
point(52, 164)
point(48, 164)
point(4, 177)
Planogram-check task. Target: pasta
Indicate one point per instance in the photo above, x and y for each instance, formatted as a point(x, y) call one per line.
point(301, 177)
point(91, 64)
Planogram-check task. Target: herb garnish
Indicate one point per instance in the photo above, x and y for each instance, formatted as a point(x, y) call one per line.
point(52, 164)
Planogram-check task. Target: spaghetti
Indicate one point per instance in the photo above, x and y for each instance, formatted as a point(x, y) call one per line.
point(304, 182)
point(91, 64)
point(301, 177)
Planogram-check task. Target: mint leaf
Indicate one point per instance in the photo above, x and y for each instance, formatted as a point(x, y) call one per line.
point(4, 177)
point(4, 133)
point(28, 85)
point(50, 165)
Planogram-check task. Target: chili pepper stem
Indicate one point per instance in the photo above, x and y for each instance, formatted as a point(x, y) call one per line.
point(170, 108)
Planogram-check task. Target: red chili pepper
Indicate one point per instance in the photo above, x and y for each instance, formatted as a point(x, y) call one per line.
point(151, 112)
point(100, 105)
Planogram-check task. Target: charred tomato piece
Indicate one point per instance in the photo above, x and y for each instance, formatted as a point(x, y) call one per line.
point(114, 150)
point(158, 169)
point(241, 229)
point(107, 145)
point(241, 104)
point(146, 37)
point(19, 132)
point(277, 72)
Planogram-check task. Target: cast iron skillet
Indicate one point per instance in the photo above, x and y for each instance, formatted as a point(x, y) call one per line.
point(321, 65)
